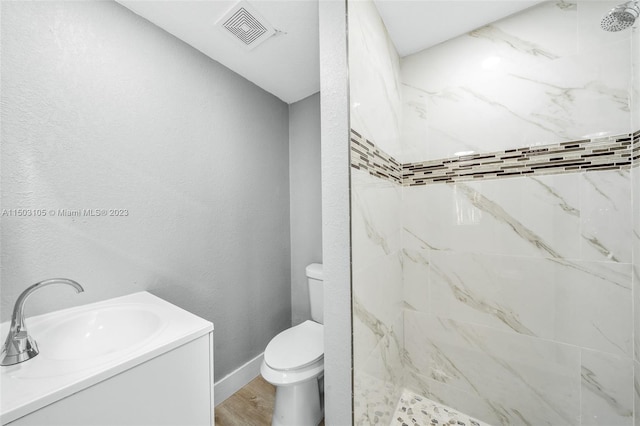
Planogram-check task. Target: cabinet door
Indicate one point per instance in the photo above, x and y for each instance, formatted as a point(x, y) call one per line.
point(172, 389)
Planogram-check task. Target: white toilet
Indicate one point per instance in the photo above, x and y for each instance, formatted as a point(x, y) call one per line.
point(294, 363)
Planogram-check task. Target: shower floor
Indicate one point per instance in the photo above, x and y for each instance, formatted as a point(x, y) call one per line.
point(413, 410)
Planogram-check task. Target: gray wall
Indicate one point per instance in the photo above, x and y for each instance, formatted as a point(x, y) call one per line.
point(103, 110)
point(306, 202)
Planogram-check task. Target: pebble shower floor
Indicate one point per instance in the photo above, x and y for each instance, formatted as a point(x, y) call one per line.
point(415, 410)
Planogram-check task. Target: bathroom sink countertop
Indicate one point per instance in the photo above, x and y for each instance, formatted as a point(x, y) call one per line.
point(84, 345)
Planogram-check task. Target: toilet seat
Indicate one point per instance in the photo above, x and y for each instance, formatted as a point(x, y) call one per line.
point(296, 348)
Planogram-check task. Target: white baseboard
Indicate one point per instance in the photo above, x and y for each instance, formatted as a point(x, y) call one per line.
point(235, 380)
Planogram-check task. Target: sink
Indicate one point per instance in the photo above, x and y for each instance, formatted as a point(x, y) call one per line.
point(83, 346)
point(97, 333)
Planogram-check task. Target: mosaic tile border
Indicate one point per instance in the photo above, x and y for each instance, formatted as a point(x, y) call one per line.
point(611, 153)
point(365, 155)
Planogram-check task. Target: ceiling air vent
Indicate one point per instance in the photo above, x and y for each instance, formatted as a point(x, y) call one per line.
point(245, 25)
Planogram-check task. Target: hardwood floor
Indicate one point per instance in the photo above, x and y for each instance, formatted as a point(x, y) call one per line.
point(250, 406)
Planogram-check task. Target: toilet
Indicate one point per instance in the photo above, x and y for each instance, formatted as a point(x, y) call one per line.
point(294, 363)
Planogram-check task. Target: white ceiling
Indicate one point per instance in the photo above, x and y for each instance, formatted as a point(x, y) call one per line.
point(416, 25)
point(287, 64)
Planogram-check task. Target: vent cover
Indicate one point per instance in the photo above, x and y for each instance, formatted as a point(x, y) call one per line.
point(245, 25)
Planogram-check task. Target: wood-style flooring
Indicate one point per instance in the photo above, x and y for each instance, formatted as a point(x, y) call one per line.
point(250, 406)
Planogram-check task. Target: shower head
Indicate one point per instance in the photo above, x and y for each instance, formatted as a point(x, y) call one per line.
point(621, 17)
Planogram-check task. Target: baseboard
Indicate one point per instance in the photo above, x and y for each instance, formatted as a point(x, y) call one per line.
point(235, 380)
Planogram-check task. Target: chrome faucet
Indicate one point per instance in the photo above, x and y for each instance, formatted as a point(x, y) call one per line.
point(19, 346)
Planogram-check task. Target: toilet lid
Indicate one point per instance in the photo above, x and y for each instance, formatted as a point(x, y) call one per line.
point(296, 347)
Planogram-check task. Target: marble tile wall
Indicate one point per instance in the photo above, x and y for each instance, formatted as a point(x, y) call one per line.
point(375, 217)
point(547, 75)
point(374, 79)
point(542, 262)
point(512, 300)
point(519, 297)
point(520, 292)
point(377, 296)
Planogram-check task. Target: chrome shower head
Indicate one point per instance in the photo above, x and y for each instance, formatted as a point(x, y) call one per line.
point(621, 17)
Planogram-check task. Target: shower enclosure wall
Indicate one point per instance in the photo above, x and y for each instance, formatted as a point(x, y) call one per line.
point(496, 220)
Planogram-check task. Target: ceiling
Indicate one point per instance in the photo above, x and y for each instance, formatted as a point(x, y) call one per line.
point(416, 25)
point(287, 64)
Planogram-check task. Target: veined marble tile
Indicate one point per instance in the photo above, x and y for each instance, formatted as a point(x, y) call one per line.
point(605, 216)
point(374, 78)
point(377, 295)
point(418, 205)
point(373, 399)
point(385, 360)
point(581, 303)
point(519, 35)
point(524, 216)
point(563, 83)
point(415, 273)
point(367, 332)
point(375, 218)
point(535, 379)
point(378, 378)
point(521, 32)
point(607, 389)
point(543, 212)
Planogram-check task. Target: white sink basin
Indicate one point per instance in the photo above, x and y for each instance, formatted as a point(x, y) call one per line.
point(85, 345)
point(98, 333)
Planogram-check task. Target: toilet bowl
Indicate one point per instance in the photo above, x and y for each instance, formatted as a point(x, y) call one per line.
point(294, 364)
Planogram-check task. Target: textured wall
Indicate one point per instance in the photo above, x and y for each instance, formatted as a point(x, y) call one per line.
point(375, 220)
point(635, 173)
point(306, 199)
point(102, 110)
point(636, 289)
point(336, 245)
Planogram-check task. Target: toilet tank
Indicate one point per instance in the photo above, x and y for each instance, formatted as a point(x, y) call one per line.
point(316, 291)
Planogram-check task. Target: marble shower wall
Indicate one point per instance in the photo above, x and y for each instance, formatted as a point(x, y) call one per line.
point(374, 79)
point(520, 295)
point(546, 75)
point(516, 311)
point(520, 292)
point(375, 221)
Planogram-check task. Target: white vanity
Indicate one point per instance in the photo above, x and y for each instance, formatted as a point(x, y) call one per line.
point(132, 360)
